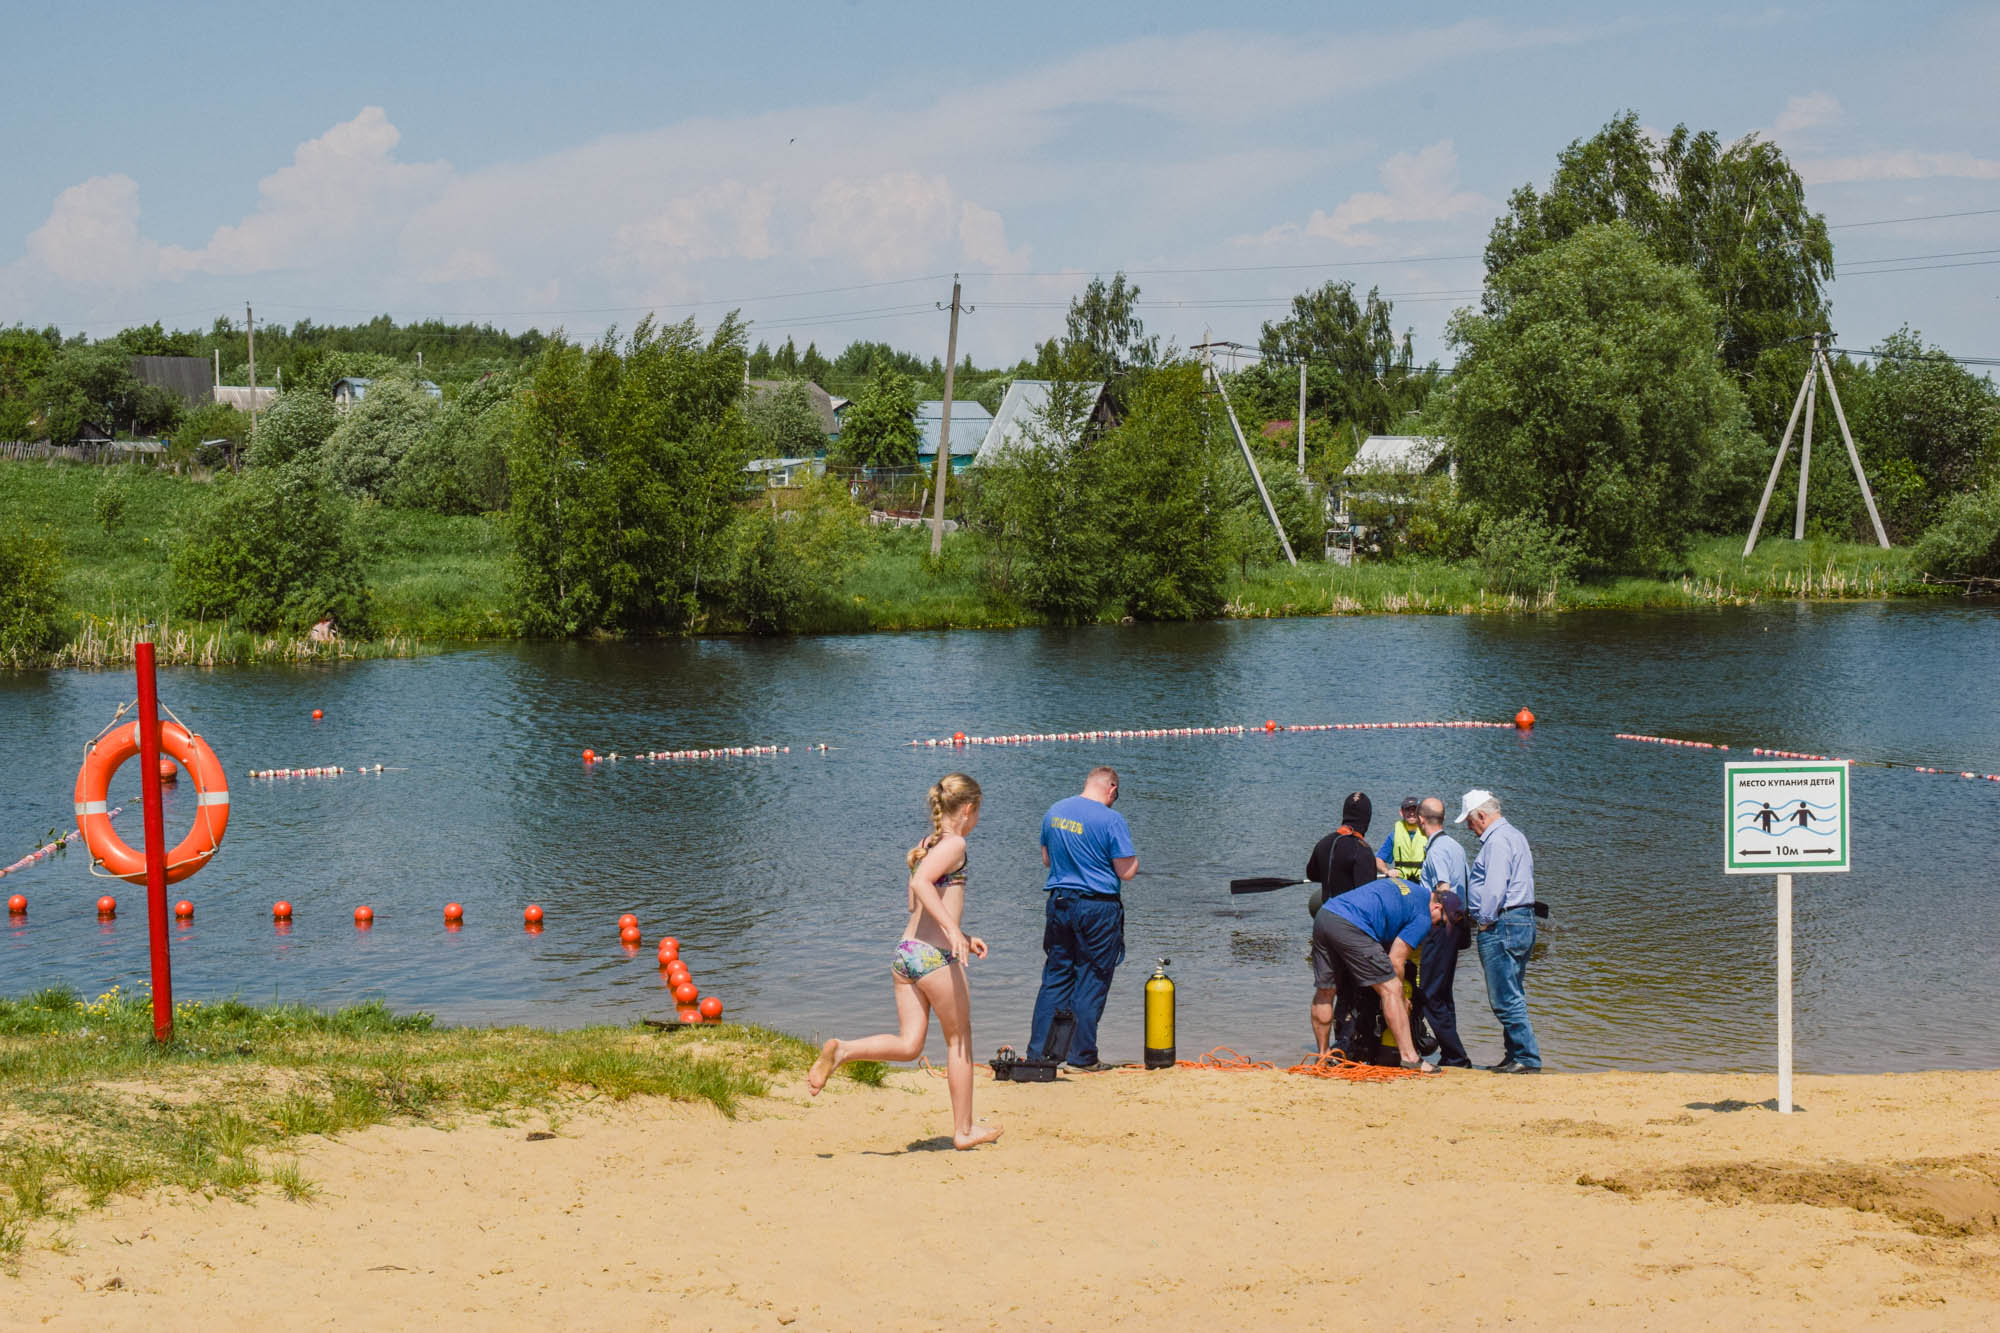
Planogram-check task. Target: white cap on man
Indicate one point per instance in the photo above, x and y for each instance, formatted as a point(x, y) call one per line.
point(1471, 801)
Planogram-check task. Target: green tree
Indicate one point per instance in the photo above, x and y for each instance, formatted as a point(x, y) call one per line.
point(1041, 505)
point(376, 434)
point(1735, 215)
point(1964, 543)
point(459, 465)
point(1925, 427)
point(272, 550)
point(622, 469)
point(1164, 486)
point(294, 429)
point(879, 428)
point(1104, 327)
point(783, 422)
point(31, 606)
point(1358, 370)
point(1588, 398)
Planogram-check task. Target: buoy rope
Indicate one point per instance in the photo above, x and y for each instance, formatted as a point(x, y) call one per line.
point(1768, 752)
point(1335, 1065)
point(48, 848)
point(1226, 1060)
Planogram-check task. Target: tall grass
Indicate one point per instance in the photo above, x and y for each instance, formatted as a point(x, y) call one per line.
point(91, 1107)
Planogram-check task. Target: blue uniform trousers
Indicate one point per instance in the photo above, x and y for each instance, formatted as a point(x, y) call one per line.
point(1434, 994)
point(1084, 940)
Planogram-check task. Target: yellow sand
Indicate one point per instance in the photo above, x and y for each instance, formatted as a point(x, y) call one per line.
point(1171, 1200)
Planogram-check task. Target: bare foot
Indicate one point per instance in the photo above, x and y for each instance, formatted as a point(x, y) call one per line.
point(822, 1070)
point(980, 1134)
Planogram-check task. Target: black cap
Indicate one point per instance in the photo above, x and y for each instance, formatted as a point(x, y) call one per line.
point(1453, 905)
point(1410, 803)
point(1356, 810)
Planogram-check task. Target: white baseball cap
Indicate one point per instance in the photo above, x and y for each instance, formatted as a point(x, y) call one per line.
point(1471, 801)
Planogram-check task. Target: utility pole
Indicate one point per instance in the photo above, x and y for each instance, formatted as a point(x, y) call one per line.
point(250, 332)
point(1208, 363)
point(944, 426)
point(1818, 367)
point(1302, 418)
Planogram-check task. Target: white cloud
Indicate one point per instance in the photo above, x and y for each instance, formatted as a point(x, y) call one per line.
point(92, 236)
point(342, 192)
point(1808, 112)
point(884, 223)
point(982, 238)
point(727, 220)
point(1903, 165)
point(1420, 187)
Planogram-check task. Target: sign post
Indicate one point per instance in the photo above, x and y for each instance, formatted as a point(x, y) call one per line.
point(1784, 819)
point(156, 843)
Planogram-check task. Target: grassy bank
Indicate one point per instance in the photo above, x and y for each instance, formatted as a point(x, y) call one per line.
point(438, 580)
point(92, 1107)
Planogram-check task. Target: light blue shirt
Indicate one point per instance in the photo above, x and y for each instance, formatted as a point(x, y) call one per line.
point(1503, 875)
point(1444, 863)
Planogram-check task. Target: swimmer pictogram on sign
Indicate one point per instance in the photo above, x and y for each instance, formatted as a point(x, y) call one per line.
point(1786, 818)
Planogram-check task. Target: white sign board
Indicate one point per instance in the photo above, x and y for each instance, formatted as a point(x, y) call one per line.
point(1786, 818)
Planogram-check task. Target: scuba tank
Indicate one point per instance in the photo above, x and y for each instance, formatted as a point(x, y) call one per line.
point(1160, 1018)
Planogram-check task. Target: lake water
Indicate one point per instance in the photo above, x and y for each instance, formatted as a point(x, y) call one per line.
point(783, 875)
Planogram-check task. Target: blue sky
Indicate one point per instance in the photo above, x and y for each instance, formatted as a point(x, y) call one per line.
point(576, 166)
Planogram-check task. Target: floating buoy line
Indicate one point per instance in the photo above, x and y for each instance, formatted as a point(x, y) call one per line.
point(324, 771)
point(49, 849)
point(1769, 752)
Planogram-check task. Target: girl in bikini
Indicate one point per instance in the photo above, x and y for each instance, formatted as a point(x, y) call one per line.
point(928, 967)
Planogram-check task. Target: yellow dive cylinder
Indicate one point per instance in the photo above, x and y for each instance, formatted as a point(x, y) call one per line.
point(1160, 1018)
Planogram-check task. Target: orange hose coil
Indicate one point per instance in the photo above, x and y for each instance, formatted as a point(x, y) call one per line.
point(211, 816)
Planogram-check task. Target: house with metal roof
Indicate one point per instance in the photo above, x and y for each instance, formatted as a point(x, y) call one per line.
point(351, 390)
point(1024, 407)
point(822, 402)
point(1397, 453)
point(969, 423)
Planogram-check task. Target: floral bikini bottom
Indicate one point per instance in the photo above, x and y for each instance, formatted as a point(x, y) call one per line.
point(916, 959)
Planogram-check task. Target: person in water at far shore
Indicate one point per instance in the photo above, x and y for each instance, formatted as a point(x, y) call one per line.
point(928, 968)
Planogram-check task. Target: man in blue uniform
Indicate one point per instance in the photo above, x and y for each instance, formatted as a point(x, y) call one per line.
point(1362, 939)
point(1087, 847)
point(1444, 878)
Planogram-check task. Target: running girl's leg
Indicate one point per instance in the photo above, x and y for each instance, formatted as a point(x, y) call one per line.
point(947, 993)
point(913, 1020)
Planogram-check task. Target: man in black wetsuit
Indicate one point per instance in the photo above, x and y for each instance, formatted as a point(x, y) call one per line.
point(1340, 861)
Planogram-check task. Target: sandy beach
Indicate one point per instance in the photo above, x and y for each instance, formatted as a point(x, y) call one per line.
point(1124, 1199)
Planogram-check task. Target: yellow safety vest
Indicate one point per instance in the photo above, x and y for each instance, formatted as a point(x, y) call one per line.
point(1410, 847)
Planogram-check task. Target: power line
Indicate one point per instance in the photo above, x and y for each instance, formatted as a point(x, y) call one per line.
point(1928, 217)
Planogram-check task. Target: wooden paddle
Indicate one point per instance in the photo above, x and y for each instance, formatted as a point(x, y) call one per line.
point(1265, 884)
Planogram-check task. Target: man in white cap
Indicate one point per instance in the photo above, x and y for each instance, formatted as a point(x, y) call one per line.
point(1501, 899)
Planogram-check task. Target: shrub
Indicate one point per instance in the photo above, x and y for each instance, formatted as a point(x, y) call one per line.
point(459, 466)
point(30, 595)
point(108, 503)
point(271, 550)
point(787, 566)
point(1522, 555)
point(294, 430)
point(375, 435)
point(1964, 543)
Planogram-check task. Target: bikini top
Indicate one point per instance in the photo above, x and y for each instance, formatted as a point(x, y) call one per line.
point(955, 876)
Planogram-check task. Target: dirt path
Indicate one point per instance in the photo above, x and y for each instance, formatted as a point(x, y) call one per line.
point(1137, 1200)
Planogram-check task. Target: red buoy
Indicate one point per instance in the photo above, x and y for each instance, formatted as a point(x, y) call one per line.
point(281, 910)
point(711, 1007)
point(532, 916)
point(668, 953)
point(629, 934)
point(17, 904)
point(666, 940)
point(317, 715)
point(627, 919)
point(687, 1014)
point(454, 912)
point(107, 906)
point(364, 916)
point(1524, 720)
point(169, 774)
point(1269, 725)
point(184, 909)
point(590, 756)
point(685, 993)
point(958, 738)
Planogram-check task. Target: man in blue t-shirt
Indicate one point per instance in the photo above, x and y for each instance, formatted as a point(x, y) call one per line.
point(1363, 938)
point(1088, 849)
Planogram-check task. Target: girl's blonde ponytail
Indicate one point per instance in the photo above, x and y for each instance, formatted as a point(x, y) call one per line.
point(951, 794)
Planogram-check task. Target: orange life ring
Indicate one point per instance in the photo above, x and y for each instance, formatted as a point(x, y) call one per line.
point(211, 815)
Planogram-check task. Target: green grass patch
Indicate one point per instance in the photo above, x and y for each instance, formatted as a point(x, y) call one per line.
point(92, 1108)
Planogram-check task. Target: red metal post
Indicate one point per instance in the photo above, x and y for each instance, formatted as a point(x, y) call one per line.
point(156, 843)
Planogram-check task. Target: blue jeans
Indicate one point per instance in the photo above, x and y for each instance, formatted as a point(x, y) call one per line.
point(1503, 953)
point(1084, 939)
